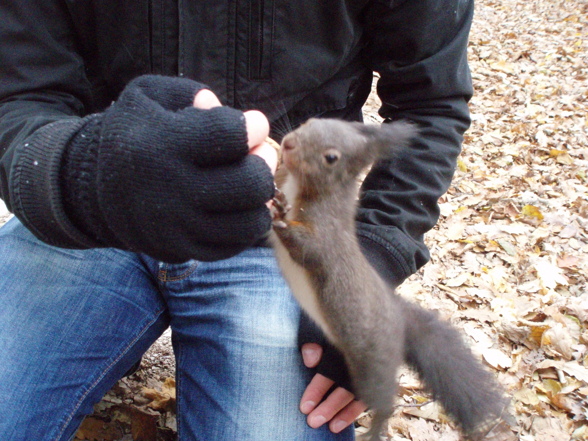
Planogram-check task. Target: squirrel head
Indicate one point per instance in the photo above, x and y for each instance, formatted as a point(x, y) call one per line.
point(327, 153)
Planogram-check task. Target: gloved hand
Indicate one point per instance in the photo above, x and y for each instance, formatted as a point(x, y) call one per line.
point(155, 175)
point(328, 398)
point(332, 363)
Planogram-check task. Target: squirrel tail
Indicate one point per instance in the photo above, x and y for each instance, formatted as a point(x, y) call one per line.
point(468, 392)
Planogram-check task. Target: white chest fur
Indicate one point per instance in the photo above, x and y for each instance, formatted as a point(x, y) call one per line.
point(296, 276)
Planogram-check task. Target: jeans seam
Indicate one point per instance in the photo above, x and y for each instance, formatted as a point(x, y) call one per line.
point(101, 376)
point(179, 354)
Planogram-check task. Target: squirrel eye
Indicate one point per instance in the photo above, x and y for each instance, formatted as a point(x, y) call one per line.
point(331, 156)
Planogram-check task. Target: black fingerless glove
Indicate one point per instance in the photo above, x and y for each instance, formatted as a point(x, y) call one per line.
point(153, 174)
point(332, 364)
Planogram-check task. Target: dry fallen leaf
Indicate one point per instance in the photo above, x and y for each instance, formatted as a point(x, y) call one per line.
point(95, 429)
point(164, 399)
point(558, 341)
point(532, 211)
point(503, 66)
point(567, 261)
point(526, 396)
point(497, 359)
point(550, 274)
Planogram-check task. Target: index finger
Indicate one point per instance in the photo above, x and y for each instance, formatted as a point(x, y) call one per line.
point(206, 99)
point(256, 122)
point(314, 393)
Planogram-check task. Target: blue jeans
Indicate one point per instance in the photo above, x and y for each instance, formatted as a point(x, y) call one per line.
point(73, 322)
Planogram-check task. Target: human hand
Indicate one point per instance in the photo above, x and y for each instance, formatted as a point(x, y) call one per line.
point(339, 409)
point(257, 128)
point(155, 174)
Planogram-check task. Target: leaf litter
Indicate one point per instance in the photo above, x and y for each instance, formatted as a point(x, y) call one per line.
point(510, 253)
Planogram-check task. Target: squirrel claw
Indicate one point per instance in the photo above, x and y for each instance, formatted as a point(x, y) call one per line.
point(280, 205)
point(279, 224)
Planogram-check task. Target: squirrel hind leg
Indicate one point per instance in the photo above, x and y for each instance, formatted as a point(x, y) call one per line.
point(379, 421)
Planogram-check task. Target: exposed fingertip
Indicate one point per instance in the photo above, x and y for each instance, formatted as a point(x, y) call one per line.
point(311, 356)
point(338, 425)
point(268, 154)
point(257, 127)
point(317, 421)
point(307, 407)
point(206, 99)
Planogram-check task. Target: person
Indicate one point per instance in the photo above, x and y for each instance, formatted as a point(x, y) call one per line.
point(133, 158)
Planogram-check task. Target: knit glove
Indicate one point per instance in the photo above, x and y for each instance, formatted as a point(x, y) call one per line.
point(332, 363)
point(155, 175)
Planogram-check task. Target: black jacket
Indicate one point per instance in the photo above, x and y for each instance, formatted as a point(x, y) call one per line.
point(63, 59)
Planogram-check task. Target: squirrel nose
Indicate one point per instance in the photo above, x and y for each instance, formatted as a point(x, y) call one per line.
point(288, 144)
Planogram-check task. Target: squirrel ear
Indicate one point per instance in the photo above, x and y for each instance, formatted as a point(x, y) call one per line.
point(388, 137)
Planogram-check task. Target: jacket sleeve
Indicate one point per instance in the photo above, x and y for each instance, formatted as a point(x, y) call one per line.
point(419, 48)
point(43, 93)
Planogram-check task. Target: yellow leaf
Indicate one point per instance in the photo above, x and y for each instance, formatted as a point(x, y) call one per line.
point(532, 211)
point(551, 386)
point(536, 334)
point(420, 399)
point(462, 166)
point(554, 153)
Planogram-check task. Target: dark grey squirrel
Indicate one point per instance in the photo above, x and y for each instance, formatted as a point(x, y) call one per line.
point(375, 329)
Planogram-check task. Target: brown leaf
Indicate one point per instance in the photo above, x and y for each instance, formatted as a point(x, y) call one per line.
point(526, 396)
point(536, 334)
point(163, 400)
point(94, 429)
point(143, 425)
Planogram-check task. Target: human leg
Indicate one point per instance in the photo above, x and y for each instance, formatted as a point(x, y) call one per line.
point(71, 324)
point(240, 374)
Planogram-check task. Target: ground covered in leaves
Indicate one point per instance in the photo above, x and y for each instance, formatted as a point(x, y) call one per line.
point(510, 254)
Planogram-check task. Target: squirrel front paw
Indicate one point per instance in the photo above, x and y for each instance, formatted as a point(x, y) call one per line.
point(280, 208)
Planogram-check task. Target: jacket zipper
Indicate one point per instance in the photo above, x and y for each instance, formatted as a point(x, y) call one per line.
point(151, 31)
point(260, 39)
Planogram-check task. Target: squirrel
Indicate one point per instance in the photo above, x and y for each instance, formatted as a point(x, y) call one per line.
point(375, 329)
